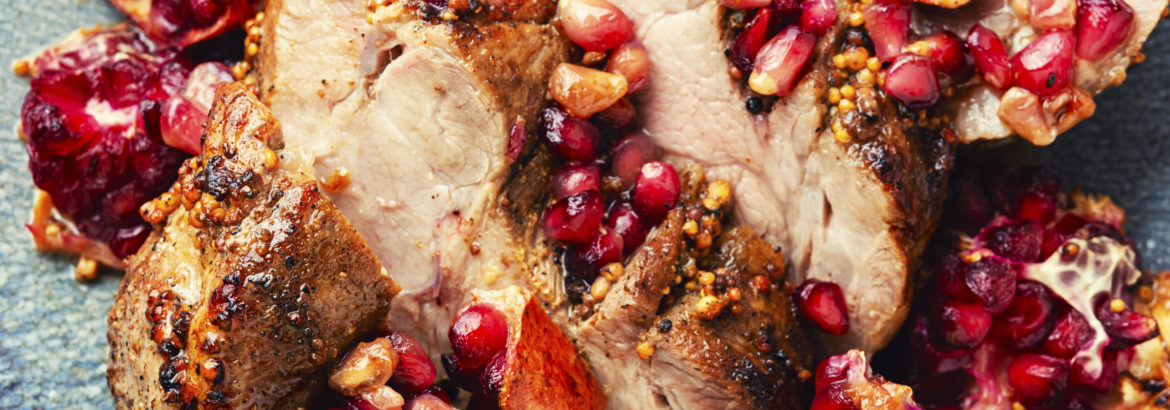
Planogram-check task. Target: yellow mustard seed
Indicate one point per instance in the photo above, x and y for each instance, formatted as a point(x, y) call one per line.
point(834, 95)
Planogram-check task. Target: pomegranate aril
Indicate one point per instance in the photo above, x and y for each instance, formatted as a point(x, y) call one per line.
point(414, 372)
point(656, 190)
point(992, 281)
point(574, 179)
point(958, 325)
point(1026, 322)
point(1038, 379)
point(990, 57)
point(1052, 14)
point(605, 247)
point(931, 360)
point(947, 54)
point(1103, 381)
point(824, 304)
point(492, 377)
point(1018, 242)
point(744, 4)
point(427, 402)
point(1102, 25)
point(817, 16)
point(1069, 334)
point(616, 117)
point(747, 44)
point(832, 397)
point(464, 377)
point(1044, 67)
point(568, 136)
point(831, 370)
point(182, 124)
point(784, 13)
point(1125, 328)
point(781, 61)
point(595, 25)
point(630, 60)
point(584, 91)
point(575, 218)
point(888, 24)
point(477, 334)
point(628, 155)
point(912, 81)
point(1037, 207)
point(626, 222)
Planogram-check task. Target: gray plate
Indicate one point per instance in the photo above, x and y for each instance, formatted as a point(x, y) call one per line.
point(53, 330)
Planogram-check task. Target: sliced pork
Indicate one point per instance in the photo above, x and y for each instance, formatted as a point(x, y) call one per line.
point(254, 284)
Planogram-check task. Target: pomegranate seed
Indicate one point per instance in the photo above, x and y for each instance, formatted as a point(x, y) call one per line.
point(947, 54)
point(605, 247)
point(1102, 25)
point(888, 23)
point(492, 377)
point(584, 91)
point(1019, 242)
point(747, 44)
point(656, 190)
point(1052, 14)
point(960, 325)
point(817, 16)
point(781, 61)
point(628, 155)
point(824, 304)
point(932, 360)
point(831, 370)
point(616, 117)
point(182, 124)
point(414, 372)
point(1069, 334)
point(477, 334)
point(427, 402)
point(832, 397)
point(516, 139)
point(570, 137)
point(1025, 322)
point(575, 218)
point(595, 25)
point(992, 281)
point(744, 4)
point(464, 377)
point(784, 13)
point(439, 392)
point(1125, 328)
point(1104, 381)
point(990, 57)
point(573, 179)
point(1044, 67)
point(630, 61)
point(1037, 379)
point(1037, 207)
point(912, 81)
point(625, 222)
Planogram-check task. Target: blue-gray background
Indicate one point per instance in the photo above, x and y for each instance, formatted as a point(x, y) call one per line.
point(53, 329)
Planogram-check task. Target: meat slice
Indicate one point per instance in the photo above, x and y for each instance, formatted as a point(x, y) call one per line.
point(420, 113)
point(255, 282)
point(854, 213)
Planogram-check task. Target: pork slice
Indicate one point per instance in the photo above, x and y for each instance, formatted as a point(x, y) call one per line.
point(854, 213)
point(417, 111)
point(249, 290)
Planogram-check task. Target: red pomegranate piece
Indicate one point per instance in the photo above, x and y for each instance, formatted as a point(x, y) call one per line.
point(575, 218)
point(185, 22)
point(415, 371)
point(781, 61)
point(1103, 381)
point(846, 382)
point(656, 190)
point(1044, 67)
point(574, 179)
point(1125, 328)
point(478, 333)
point(992, 281)
point(831, 370)
point(1102, 25)
point(748, 43)
point(631, 61)
point(1037, 207)
point(95, 135)
point(605, 247)
point(1069, 334)
point(990, 56)
point(492, 377)
point(832, 397)
point(888, 23)
point(1038, 379)
point(960, 325)
point(948, 55)
point(1026, 322)
point(784, 13)
point(1023, 241)
point(628, 155)
point(744, 4)
point(568, 136)
point(428, 402)
point(817, 16)
point(625, 222)
point(824, 304)
point(595, 25)
point(912, 81)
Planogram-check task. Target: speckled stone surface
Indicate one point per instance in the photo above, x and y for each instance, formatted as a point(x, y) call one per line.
point(52, 329)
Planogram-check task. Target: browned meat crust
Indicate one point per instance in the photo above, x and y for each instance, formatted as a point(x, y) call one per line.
point(250, 289)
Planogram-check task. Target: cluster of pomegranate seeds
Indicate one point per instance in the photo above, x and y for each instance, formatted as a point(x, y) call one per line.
point(102, 113)
point(846, 382)
point(608, 190)
point(777, 41)
point(411, 386)
point(186, 22)
point(1032, 307)
point(824, 304)
point(479, 337)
